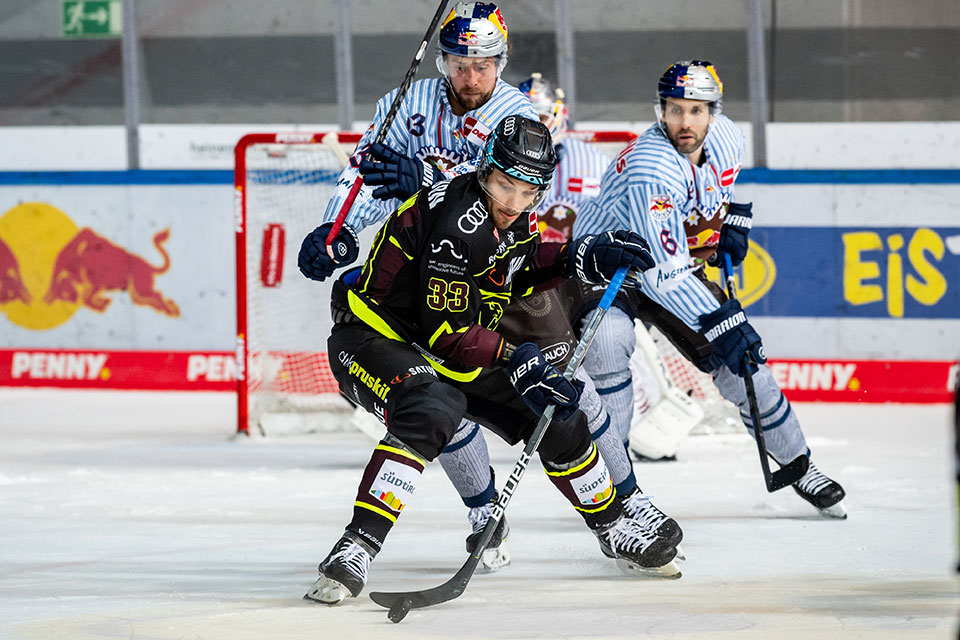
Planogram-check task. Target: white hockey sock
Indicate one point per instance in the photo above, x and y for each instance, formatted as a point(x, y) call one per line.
point(781, 428)
point(608, 363)
point(466, 462)
point(608, 442)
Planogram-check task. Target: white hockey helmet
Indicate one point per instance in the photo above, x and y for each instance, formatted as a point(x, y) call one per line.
point(548, 103)
point(693, 80)
point(473, 30)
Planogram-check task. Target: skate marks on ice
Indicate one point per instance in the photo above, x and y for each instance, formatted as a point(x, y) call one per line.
point(153, 530)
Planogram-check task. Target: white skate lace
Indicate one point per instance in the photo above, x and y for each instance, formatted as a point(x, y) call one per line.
point(639, 507)
point(813, 481)
point(355, 558)
point(629, 535)
point(478, 516)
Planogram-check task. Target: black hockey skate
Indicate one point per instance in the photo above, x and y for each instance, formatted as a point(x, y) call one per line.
point(638, 549)
point(342, 573)
point(637, 505)
point(822, 492)
point(495, 556)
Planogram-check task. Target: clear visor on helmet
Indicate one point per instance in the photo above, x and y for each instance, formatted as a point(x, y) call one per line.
point(674, 112)
point(511, 193)
point(454, 66)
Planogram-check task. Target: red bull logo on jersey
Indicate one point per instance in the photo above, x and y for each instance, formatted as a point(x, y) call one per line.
point(661, 208)
point(49, 268)
point(705, 238)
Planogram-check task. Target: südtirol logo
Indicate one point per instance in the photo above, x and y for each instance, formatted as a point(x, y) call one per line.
point(49, 268)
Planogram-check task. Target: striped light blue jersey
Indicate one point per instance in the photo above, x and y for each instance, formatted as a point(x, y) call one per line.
point(425, 127)
point(654, 190)
point(576, 179)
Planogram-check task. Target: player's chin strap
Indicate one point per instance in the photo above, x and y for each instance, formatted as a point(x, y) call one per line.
point(399, 603)
point(793, 470)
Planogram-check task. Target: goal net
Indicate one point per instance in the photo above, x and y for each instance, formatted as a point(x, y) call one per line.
point(282, 184)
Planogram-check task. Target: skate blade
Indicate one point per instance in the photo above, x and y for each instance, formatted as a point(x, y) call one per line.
point(492, 560)
point(327, 591)
point(669, 570)
point(837, 511)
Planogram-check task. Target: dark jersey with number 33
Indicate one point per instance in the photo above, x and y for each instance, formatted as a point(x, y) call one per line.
point(440, 274)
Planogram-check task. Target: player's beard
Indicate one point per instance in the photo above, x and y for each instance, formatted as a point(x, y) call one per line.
point(688, 146)
point(471, 102)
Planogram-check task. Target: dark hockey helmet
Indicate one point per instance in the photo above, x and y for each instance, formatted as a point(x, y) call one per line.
point(522, 149)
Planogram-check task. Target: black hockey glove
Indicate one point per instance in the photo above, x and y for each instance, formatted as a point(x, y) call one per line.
point(400, 176)
point(733, 234)
point(596, 258)
point(313, 260)
point(538, 382)
point(732, 337)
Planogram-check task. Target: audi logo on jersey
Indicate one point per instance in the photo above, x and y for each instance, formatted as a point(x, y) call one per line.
point(473, 218)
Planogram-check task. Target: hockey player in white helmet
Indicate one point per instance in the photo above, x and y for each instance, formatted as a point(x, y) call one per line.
point(675, 186)
point(441, 123)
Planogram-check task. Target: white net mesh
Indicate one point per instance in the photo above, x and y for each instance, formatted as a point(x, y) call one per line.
point(286, 188)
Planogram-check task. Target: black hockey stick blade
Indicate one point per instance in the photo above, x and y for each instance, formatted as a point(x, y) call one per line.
point(788, 473)
point(449, 590)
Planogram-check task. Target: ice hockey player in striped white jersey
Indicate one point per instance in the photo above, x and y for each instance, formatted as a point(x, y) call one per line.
point(675, 186)
point(441, 122)
point(544, 318)
point(663, 416)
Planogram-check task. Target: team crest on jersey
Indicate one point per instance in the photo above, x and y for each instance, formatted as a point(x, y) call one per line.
point(556, 223)
point(661, 208)
point(439, 157)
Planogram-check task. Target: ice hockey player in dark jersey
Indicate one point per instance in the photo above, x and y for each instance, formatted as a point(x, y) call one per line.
point(415, 343)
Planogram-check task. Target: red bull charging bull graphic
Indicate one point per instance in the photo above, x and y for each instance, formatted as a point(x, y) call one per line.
point(50, 268)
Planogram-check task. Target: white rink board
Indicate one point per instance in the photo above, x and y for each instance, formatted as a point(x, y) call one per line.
point(851, 145)
point(133, 515)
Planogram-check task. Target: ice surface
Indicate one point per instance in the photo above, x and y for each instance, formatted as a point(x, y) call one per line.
point(135, 515)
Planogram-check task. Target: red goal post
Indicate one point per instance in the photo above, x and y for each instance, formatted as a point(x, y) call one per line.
point(282, 183)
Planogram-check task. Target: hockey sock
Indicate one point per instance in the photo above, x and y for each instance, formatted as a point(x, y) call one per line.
point(781, 428)
point(611, 448)
point(607, 362)
point(585, 482)
point(388, 483)
point(466, 462)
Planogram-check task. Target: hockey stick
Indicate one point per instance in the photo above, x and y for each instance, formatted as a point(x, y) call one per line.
point(332, 140)
point(400, 603)
point(793, 470)
point(387, 122)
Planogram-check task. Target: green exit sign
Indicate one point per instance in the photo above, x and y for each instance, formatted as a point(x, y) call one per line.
point(92, 18)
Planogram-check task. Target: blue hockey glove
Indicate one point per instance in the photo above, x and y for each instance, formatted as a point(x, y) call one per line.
point(732, 337)
point(596, 258)
point(733, 234)
point(313, 260)
point(538, 382)
point(400, 176)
